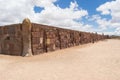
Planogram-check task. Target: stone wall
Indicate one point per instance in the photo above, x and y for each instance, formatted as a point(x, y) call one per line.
point(28, 38)
point(11, 39)
point(48, 38)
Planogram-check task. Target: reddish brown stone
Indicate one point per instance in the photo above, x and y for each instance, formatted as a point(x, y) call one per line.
point(42, 38)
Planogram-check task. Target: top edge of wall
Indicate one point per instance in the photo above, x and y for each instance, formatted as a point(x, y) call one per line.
point(10, 25)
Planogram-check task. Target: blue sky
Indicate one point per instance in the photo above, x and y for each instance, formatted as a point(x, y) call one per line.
point(102, 16)
point(89, 5)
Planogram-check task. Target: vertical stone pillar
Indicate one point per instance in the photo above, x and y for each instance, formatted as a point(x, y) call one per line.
point(26, 34)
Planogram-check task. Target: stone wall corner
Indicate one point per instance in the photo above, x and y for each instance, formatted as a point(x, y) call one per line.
point(26, 36)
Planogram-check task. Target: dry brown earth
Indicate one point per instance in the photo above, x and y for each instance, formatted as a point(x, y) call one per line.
point(99, 61)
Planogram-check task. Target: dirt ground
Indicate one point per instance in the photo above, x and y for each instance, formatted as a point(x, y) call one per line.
point(98, 61)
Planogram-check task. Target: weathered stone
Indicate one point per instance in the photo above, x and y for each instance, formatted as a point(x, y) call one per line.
point(26, 34)
point(29, 39)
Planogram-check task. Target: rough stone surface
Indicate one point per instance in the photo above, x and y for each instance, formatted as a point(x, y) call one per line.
point(47, 38)
point(29, 39)
point(11, 40)
point(26, 34)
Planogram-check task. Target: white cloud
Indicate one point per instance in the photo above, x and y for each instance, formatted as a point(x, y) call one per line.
point(103, 23)
point(44, 3)
point(57, 16)
point(14, 11)
point(113, 9)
